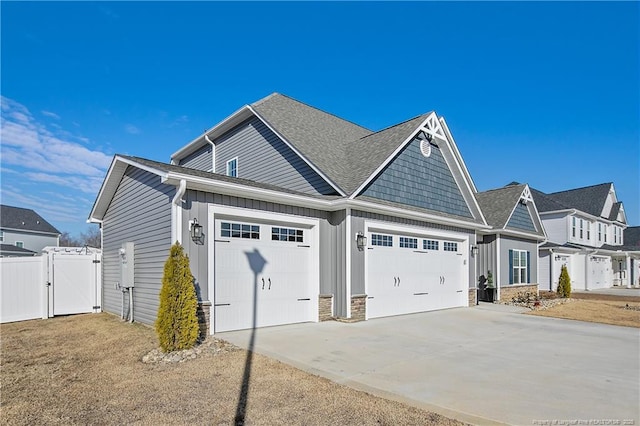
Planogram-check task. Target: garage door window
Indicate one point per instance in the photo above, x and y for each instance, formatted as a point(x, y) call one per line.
point(287, 234)
point(381, 240)
point(430, 245)
point(239, 230)
point(406, 242)
point(448, 246)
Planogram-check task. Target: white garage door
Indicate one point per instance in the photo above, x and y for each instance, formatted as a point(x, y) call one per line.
point(408, 273)
point(600, 268)
point(263, 274)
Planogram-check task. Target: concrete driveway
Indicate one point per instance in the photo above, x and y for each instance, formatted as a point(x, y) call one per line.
point(486, 364)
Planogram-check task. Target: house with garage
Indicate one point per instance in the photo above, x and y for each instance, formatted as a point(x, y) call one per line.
point(510, 248)
point(631, 238)
point(585, 229)
point(23, 232)
point(291, 214)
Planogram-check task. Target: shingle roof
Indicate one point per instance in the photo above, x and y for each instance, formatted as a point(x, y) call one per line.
point(497, 204)
point(164, 167)
point(24, 219)
point(631, 238)
point(589, 199)
point(319, 136)
point(615, 209)
point(544, 203)
point(363, 156)
point(9, 249)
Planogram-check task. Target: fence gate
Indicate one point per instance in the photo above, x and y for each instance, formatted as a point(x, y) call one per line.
point(73, 283)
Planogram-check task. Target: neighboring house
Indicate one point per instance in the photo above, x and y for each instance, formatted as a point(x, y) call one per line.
point(23, 232)
point(303, 216)
point(510, 248)
point(632, 247)
point(585, 229)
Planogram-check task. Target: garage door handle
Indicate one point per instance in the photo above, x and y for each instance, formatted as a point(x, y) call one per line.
point(302, 300)
point(370, 297)
point(420, 294)
point(222, 304)
point(459, 291)
point(263, 283)
point(303, 246)
point(222, 241)
point(269, 283)
point(395, 281)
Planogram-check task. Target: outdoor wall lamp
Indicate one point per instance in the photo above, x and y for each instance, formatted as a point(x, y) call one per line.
point(558, 257)
point(474, 250)
point(196, 231)
point(361, 241)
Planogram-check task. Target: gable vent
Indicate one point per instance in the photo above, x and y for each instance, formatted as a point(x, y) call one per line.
point(425, 148)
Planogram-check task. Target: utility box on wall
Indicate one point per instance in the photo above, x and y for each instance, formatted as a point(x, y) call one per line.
point(126, 265)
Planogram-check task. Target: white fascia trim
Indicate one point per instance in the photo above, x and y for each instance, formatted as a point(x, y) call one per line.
point(112, 174)
point(29, 231)
point(298, 153)
point(463, 168)
point(511, 233)
point(195, 143)
point(393, 155)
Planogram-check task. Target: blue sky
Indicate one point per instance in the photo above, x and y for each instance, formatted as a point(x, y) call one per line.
point(545, 93)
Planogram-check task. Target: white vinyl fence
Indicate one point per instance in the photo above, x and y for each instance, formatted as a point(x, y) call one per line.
point(61, 281)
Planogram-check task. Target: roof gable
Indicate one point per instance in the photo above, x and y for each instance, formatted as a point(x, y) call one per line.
point(22, 219)
point(511, 207)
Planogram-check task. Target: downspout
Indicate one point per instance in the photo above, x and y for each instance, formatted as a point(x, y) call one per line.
point(348, 261)
point(551, 262)
point(213, 153)
point(176, 212)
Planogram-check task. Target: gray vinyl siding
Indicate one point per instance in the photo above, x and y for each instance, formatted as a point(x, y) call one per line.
point(419, 181)
point(197, 206)
point(263, 157)
point(333, 268)
point(33, 242)
point(487, 257)
point(200, 159)
point(521, 219)
point(140, 212)
point(508, 243)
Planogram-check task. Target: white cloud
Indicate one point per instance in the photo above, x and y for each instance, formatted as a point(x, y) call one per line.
point(50, 114)
point(130, 128)
point(47, 168)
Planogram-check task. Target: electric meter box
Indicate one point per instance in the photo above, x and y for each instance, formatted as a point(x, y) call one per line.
point(126, 265)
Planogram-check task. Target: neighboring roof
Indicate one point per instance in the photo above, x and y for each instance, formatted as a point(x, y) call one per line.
point(589, 199)
point(22, 219)
point(9, 249)
point(497, 204)
point(631, 238)
point(544, 203)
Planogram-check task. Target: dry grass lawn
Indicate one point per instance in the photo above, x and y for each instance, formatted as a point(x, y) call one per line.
point(87, 369)
point(622, 311)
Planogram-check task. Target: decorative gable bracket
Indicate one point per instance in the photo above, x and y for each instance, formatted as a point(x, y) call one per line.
point(526, 197)
point(432, 127)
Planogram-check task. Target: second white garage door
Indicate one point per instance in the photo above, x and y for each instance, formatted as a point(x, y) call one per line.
point(263, 274)
point(409, 273)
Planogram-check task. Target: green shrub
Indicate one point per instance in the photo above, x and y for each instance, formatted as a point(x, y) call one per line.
point(564, 284)
point(177, 322)
point(489, 279)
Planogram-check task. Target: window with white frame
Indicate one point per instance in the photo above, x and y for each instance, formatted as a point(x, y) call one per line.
point(581, 228)
point(232, 167)
point(381, 240)
point(407, 242)
point(239, 230)
point(599, 232)
point(1, 236)
point(519, 262)
point(573, 227)
point(605, 233)
point(588, 231)
point(447, 246)
point(287, 234)
point(20, 244)
point(430, 244)
point(615, 234)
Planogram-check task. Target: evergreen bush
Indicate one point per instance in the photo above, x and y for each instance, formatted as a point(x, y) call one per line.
point(564, 284)
point(177, 322)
